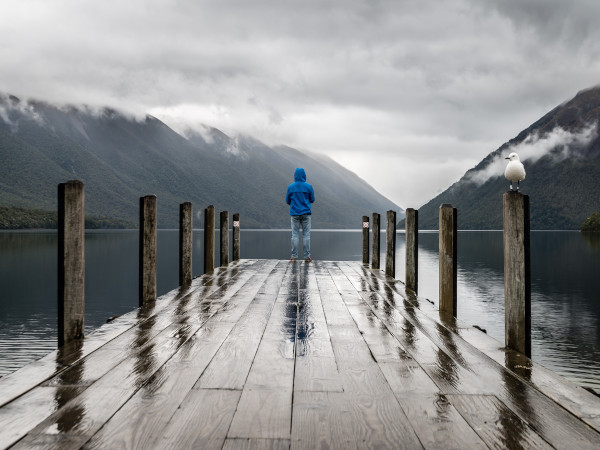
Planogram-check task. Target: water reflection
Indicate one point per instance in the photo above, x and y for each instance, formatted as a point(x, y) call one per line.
point(288, 326)
point(565, 300)
point(565, 286)
point(68, 387)
point(142, 348)
point(519, 396)
point(592, 240)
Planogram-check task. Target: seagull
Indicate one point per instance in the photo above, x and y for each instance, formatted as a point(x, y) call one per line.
point(514, 170)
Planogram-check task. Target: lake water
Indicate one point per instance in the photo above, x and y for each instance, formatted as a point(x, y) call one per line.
point(565, 286)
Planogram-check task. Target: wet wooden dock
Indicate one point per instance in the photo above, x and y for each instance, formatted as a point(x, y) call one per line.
point(273, 354)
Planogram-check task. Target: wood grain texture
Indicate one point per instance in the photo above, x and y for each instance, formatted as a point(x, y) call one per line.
point(263, 414)
point(376, 245)
point(412, 249)
point(256, 444)
point(321, 355)
point(201, 421)
point(342, 420)
point(517, 272)
point(497, 425)
point(390, 244)
point(71, 261)
point(448, 258)
point(147, 249)
point(186, 226)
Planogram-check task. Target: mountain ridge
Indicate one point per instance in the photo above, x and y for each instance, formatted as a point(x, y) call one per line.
point(561, 154)
point(121, 158)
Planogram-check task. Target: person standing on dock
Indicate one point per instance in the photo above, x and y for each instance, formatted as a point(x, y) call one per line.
point(299, 196)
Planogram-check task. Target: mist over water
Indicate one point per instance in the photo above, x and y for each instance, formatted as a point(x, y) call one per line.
point(565, 286)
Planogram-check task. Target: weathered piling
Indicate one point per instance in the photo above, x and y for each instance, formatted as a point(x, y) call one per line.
point(236, 237)
point(147, 249)
point(185, 243)
point(376, 237)
point(224, 238)
point(365, 239)
point(447, 258)
point(209, 239)
point(412, 253)
point(71, 261)
point(517, 272)
point(390, 247)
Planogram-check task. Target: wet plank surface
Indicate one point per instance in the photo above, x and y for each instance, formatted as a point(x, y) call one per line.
point(271, 354)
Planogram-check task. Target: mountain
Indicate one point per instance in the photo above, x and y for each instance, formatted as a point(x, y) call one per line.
point(561, 154)
point(121, 158)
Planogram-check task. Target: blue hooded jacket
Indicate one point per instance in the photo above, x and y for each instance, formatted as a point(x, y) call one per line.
point(300, 194)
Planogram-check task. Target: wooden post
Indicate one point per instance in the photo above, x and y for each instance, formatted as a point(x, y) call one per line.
point(185, 243)
point(390, 248)
point(517, 272)
point(147, 279)
point(365, 239)
point(236, 237)
point(412, 251)
point(71, 261)
point(209, 239)
point(224, 238)
point(447, 256)
point(376, 227)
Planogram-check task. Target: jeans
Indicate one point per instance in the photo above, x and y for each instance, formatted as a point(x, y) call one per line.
point(304, 222)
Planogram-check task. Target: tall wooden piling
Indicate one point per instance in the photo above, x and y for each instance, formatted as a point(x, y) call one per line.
point(447, 257)
point(209, 239)
point(376, 236)
point(236, 237)
point(71, 261)
point(412, 253)
point(517, 272)
point(365, 239)
point(185, 243)
point(224, 237)
point(390, 247)
point(147, 250)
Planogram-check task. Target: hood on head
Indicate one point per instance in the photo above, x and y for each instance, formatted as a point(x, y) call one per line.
point(300, 175)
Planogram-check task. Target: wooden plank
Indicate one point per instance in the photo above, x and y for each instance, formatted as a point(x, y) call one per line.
point(29, 376)
point(256, 444)
point(342, 420)
point(263, 414)
point(201, 421)
point(346, 358)
point(52, 442)
point(273, 365)
point(18, 417)
point(496, 424)
point(144, 416)
point(460, 368)
point(231, 365)
point(265, 407)
point(146, 353)
point(317, 374)
point(316, 368)
point(435, 421)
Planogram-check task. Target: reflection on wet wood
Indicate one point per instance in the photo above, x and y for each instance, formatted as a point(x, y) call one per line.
point(497, 425)
point(271, 354)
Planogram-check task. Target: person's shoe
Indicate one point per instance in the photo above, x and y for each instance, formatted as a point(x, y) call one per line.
point(292, 259)
point(309, 259)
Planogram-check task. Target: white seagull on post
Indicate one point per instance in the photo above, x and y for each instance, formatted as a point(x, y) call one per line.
point(515, 171)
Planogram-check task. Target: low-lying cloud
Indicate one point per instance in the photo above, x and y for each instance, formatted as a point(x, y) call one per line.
point(558, 144)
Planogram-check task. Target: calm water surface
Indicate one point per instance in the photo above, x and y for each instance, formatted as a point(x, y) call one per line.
point(565, 286)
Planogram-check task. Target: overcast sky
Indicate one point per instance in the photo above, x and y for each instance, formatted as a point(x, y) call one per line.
point(409, 94)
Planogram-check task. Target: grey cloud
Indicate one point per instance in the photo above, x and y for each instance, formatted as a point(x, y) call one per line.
point(460, 75)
